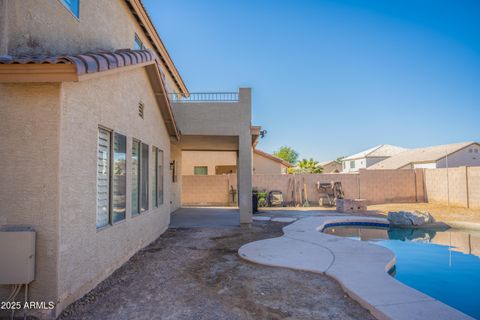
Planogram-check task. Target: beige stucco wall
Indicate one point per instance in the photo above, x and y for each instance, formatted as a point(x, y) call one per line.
point(176, 186)
point(48, 27)
point(88, 255)
point(263, 165)
point(29, 190)
point(210, 159)
point(49, 159)
point(469, 156)
point(207, 190)
point(361, 163)
point(217, 119)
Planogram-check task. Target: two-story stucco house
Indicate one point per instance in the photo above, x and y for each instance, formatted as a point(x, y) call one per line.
point(369, 157)
point(443, 156)
point(91, 144)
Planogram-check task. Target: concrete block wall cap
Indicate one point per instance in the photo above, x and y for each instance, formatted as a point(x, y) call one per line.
point(360, 267)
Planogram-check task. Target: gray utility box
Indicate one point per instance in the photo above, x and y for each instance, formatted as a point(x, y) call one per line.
point(17, 255)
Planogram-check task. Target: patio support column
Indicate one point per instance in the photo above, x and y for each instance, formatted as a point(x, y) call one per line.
point(244, 175)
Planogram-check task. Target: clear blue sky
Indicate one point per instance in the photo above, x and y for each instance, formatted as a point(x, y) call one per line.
point(332, 78)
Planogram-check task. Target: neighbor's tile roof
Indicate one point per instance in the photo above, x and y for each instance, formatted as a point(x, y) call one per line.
point(382, 150)
point(324, 163)
point(428, 154)
point(272, 157)
point(90, 62)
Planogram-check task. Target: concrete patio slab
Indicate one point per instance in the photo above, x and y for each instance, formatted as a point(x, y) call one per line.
point(197, 217)
point(421, 310)
point(298, 252)
point(261, 218)
point(360, 267)
point(284, 219)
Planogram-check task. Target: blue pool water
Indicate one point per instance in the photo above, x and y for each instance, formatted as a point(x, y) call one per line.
point(445, 264)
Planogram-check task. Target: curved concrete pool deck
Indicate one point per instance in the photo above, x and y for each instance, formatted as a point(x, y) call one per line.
point(360, 267)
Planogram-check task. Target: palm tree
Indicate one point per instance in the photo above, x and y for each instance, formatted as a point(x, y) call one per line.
point(308, 166)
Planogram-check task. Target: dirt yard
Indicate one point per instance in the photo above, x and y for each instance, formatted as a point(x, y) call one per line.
point(197, 274)
point(440, 212)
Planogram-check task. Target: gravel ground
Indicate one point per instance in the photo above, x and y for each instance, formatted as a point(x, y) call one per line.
point(196, 273)
point(440, 212)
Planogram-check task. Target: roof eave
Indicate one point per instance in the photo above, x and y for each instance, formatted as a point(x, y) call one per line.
point(145, 22)
point(34, 73)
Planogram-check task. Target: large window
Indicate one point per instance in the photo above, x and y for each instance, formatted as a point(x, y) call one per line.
point(144, 179)
point(139, 177)
point(157, 189)
point(200, 171)
point(73, 6)
point(352, 164)
point(111, 177)
point(119, 179)
point(135, 176)
point(103, 177)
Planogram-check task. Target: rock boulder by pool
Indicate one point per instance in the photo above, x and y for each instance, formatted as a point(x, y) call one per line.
point(409, 218)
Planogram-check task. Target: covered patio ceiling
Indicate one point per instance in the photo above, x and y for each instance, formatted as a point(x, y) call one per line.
point(207, 143)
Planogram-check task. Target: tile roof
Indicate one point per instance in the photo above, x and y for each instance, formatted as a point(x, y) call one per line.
point(324, 163)
point(382, 150)
point(428, 154)
point(83, 66)
point(272, 157)
point(89, 62)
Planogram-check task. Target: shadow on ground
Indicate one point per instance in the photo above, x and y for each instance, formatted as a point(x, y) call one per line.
point(196, 273)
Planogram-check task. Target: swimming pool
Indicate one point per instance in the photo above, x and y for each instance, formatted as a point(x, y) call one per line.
point(445, 264)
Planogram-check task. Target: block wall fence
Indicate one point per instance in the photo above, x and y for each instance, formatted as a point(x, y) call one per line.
point(461, 187)
point(376, 186)
point(454, 186)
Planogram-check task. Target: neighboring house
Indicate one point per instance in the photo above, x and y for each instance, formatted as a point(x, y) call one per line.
point(332, 166)
point(449, 155)
point(266, 163)
point(369, 157)
point(92, 145)
point(218, 162)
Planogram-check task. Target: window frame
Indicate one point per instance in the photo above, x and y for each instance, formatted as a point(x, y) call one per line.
point(138, 42)
point(109, 177)
point(352, 164)
point(157, 174)
point(137, 212)
point(200, 167)
point(145, 165)
point(70, 9)
point(111, 156)
point(112, 168)
point(140, 179)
